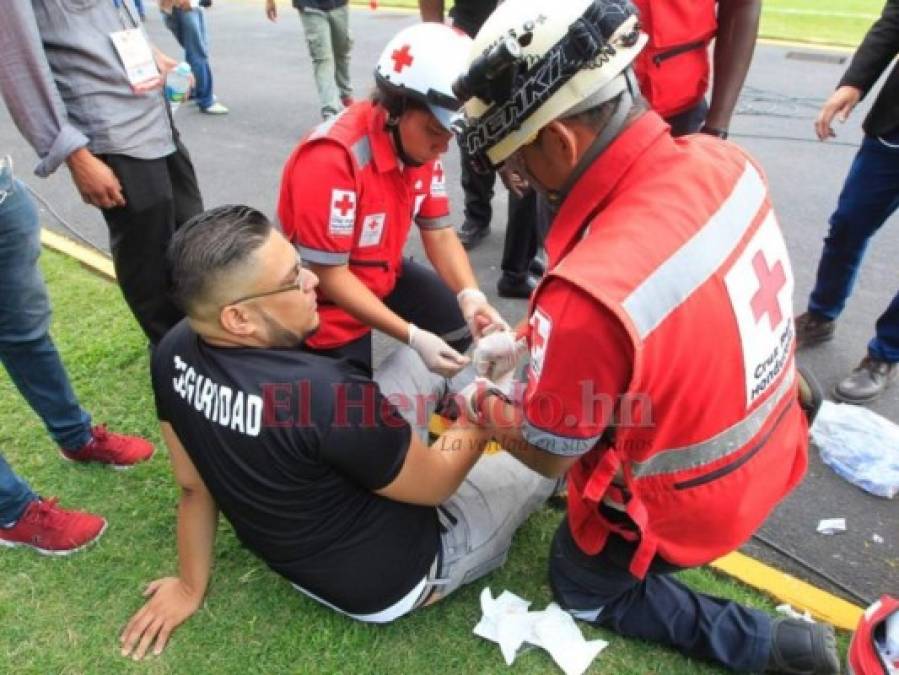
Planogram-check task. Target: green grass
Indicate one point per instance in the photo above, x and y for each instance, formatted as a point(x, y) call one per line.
point(64, 615)
point(817, 21)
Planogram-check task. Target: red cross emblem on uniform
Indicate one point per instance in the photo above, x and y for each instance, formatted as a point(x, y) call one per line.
point(344, 205)
point(401, 58)
point(438, 172)
point(771, 281)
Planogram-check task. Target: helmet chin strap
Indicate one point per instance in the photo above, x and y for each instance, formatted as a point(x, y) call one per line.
point(626, 85)
point(393, 127)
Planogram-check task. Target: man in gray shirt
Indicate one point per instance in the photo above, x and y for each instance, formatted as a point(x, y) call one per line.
point(69, 94)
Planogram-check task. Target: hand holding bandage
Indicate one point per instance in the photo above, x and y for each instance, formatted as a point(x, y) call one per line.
point(497, 355)
point(479, 314)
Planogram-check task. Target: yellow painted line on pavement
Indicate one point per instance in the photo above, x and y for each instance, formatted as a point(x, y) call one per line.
point(786, 588)
point(94, 260)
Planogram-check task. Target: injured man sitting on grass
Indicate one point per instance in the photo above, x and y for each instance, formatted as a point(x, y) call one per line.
point(320, 470)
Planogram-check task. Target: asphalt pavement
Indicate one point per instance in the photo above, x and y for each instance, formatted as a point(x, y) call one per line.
point(263, 74)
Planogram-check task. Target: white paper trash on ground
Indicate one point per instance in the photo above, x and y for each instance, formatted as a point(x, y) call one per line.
point(860, 445)
point(787, 610)
point(507, 621)
point(831, 525)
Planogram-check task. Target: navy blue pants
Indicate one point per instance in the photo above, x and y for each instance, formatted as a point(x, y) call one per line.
point(870, 195)
point(600, 590)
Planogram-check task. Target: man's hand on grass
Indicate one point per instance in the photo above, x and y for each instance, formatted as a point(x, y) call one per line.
point(171, 604)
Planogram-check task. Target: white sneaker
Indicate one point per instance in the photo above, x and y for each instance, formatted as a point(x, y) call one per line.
point(215, 109)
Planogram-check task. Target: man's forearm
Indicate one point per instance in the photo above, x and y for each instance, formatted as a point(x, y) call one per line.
point(197, 523)
point(30, 92)
point(431, 10)
point(449, 258)
point(738, 27)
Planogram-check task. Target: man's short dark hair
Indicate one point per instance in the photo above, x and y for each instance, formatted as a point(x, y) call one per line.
point(209, 245)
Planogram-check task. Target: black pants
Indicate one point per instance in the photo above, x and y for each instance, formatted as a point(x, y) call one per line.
point(689, 121)
point(420, 297)
point(600, 589)
point(160, 194)
point(520, 244)
point(478, 189)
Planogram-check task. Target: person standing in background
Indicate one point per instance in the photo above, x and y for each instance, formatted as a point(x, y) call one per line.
point(72, 97)
point(326, 24)
point(187, 22)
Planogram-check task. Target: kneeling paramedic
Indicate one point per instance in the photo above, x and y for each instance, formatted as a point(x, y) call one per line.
point(661, 375)
point(350, 192)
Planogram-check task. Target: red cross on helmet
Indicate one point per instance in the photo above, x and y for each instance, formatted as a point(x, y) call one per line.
point(422, 62)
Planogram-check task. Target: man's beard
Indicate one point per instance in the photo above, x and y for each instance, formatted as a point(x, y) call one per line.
point(282, 337)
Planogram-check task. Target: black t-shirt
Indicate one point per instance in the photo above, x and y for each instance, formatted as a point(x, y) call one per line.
point(291, 446)
point(470, 15)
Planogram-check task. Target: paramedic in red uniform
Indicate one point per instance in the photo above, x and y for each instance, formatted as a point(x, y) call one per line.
point(661, 375)
point(674, 69)
point(350, 192)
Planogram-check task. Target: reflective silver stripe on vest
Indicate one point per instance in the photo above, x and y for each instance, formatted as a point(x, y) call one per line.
point(728, 441)
point(318, 257)
point(699, 258)
point(323, 128)
point(362, 152)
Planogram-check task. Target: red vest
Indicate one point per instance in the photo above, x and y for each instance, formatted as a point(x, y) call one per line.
point(373, 216)
point(684, 248)
point(673, 69)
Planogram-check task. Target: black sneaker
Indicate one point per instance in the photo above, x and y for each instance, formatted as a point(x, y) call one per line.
point(867, 381)
point(813, 329)
point(802, 648)
point(471, 234)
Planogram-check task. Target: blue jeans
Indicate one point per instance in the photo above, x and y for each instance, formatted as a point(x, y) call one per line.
point(189, 28)
point(870, 195)
point(26, 349)
point(15, 495)
point(599, 589)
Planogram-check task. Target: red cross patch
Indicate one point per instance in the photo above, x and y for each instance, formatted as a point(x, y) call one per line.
point(541, 327)
point(372, 229)
point(438, 180)
point(343, 213)
point(402, 57)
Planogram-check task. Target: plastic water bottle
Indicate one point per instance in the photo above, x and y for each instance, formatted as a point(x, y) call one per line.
point(177, 84)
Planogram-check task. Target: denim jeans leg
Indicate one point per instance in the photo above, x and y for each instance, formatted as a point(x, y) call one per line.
point(318, 40)
point(885, 343)
point(869, 196)
point(15, 495)
point(26, 349)
point(189, 28)
point(342, 41)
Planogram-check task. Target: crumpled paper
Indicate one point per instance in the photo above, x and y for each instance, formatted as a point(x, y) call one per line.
point(507, 621)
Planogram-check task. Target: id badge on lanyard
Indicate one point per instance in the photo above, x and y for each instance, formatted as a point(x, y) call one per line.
point(133, 48)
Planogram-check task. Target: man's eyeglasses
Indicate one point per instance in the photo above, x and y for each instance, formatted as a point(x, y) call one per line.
point(297, 285)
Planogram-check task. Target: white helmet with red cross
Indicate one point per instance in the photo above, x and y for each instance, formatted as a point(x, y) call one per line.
point(421, 62)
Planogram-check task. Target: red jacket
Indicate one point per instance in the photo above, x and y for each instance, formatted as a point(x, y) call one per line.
point(673, 69)
point(708, 435)
point(345, 200)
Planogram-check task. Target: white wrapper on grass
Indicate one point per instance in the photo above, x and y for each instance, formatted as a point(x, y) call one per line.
point(787, 610)
point(507, 621)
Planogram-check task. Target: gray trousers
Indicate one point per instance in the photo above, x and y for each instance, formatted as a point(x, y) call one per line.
point(329, 41)
point(499, 493)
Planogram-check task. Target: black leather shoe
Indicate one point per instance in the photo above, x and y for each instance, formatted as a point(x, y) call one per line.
point(802, 648)
point(813, 329)
point(471, 234)
point(537, 268)
point(510, 286)
point(867, 381)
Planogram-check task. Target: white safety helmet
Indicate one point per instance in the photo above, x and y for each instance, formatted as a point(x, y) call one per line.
point(533, 62)
point(421, 62)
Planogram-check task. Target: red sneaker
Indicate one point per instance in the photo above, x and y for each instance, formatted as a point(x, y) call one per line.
point(120, 452)
point(52, 530)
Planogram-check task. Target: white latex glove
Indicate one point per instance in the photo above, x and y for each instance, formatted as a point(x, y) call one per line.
point(469, 397)
point(438, 356)
point(497, 354)
point(479, 314)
